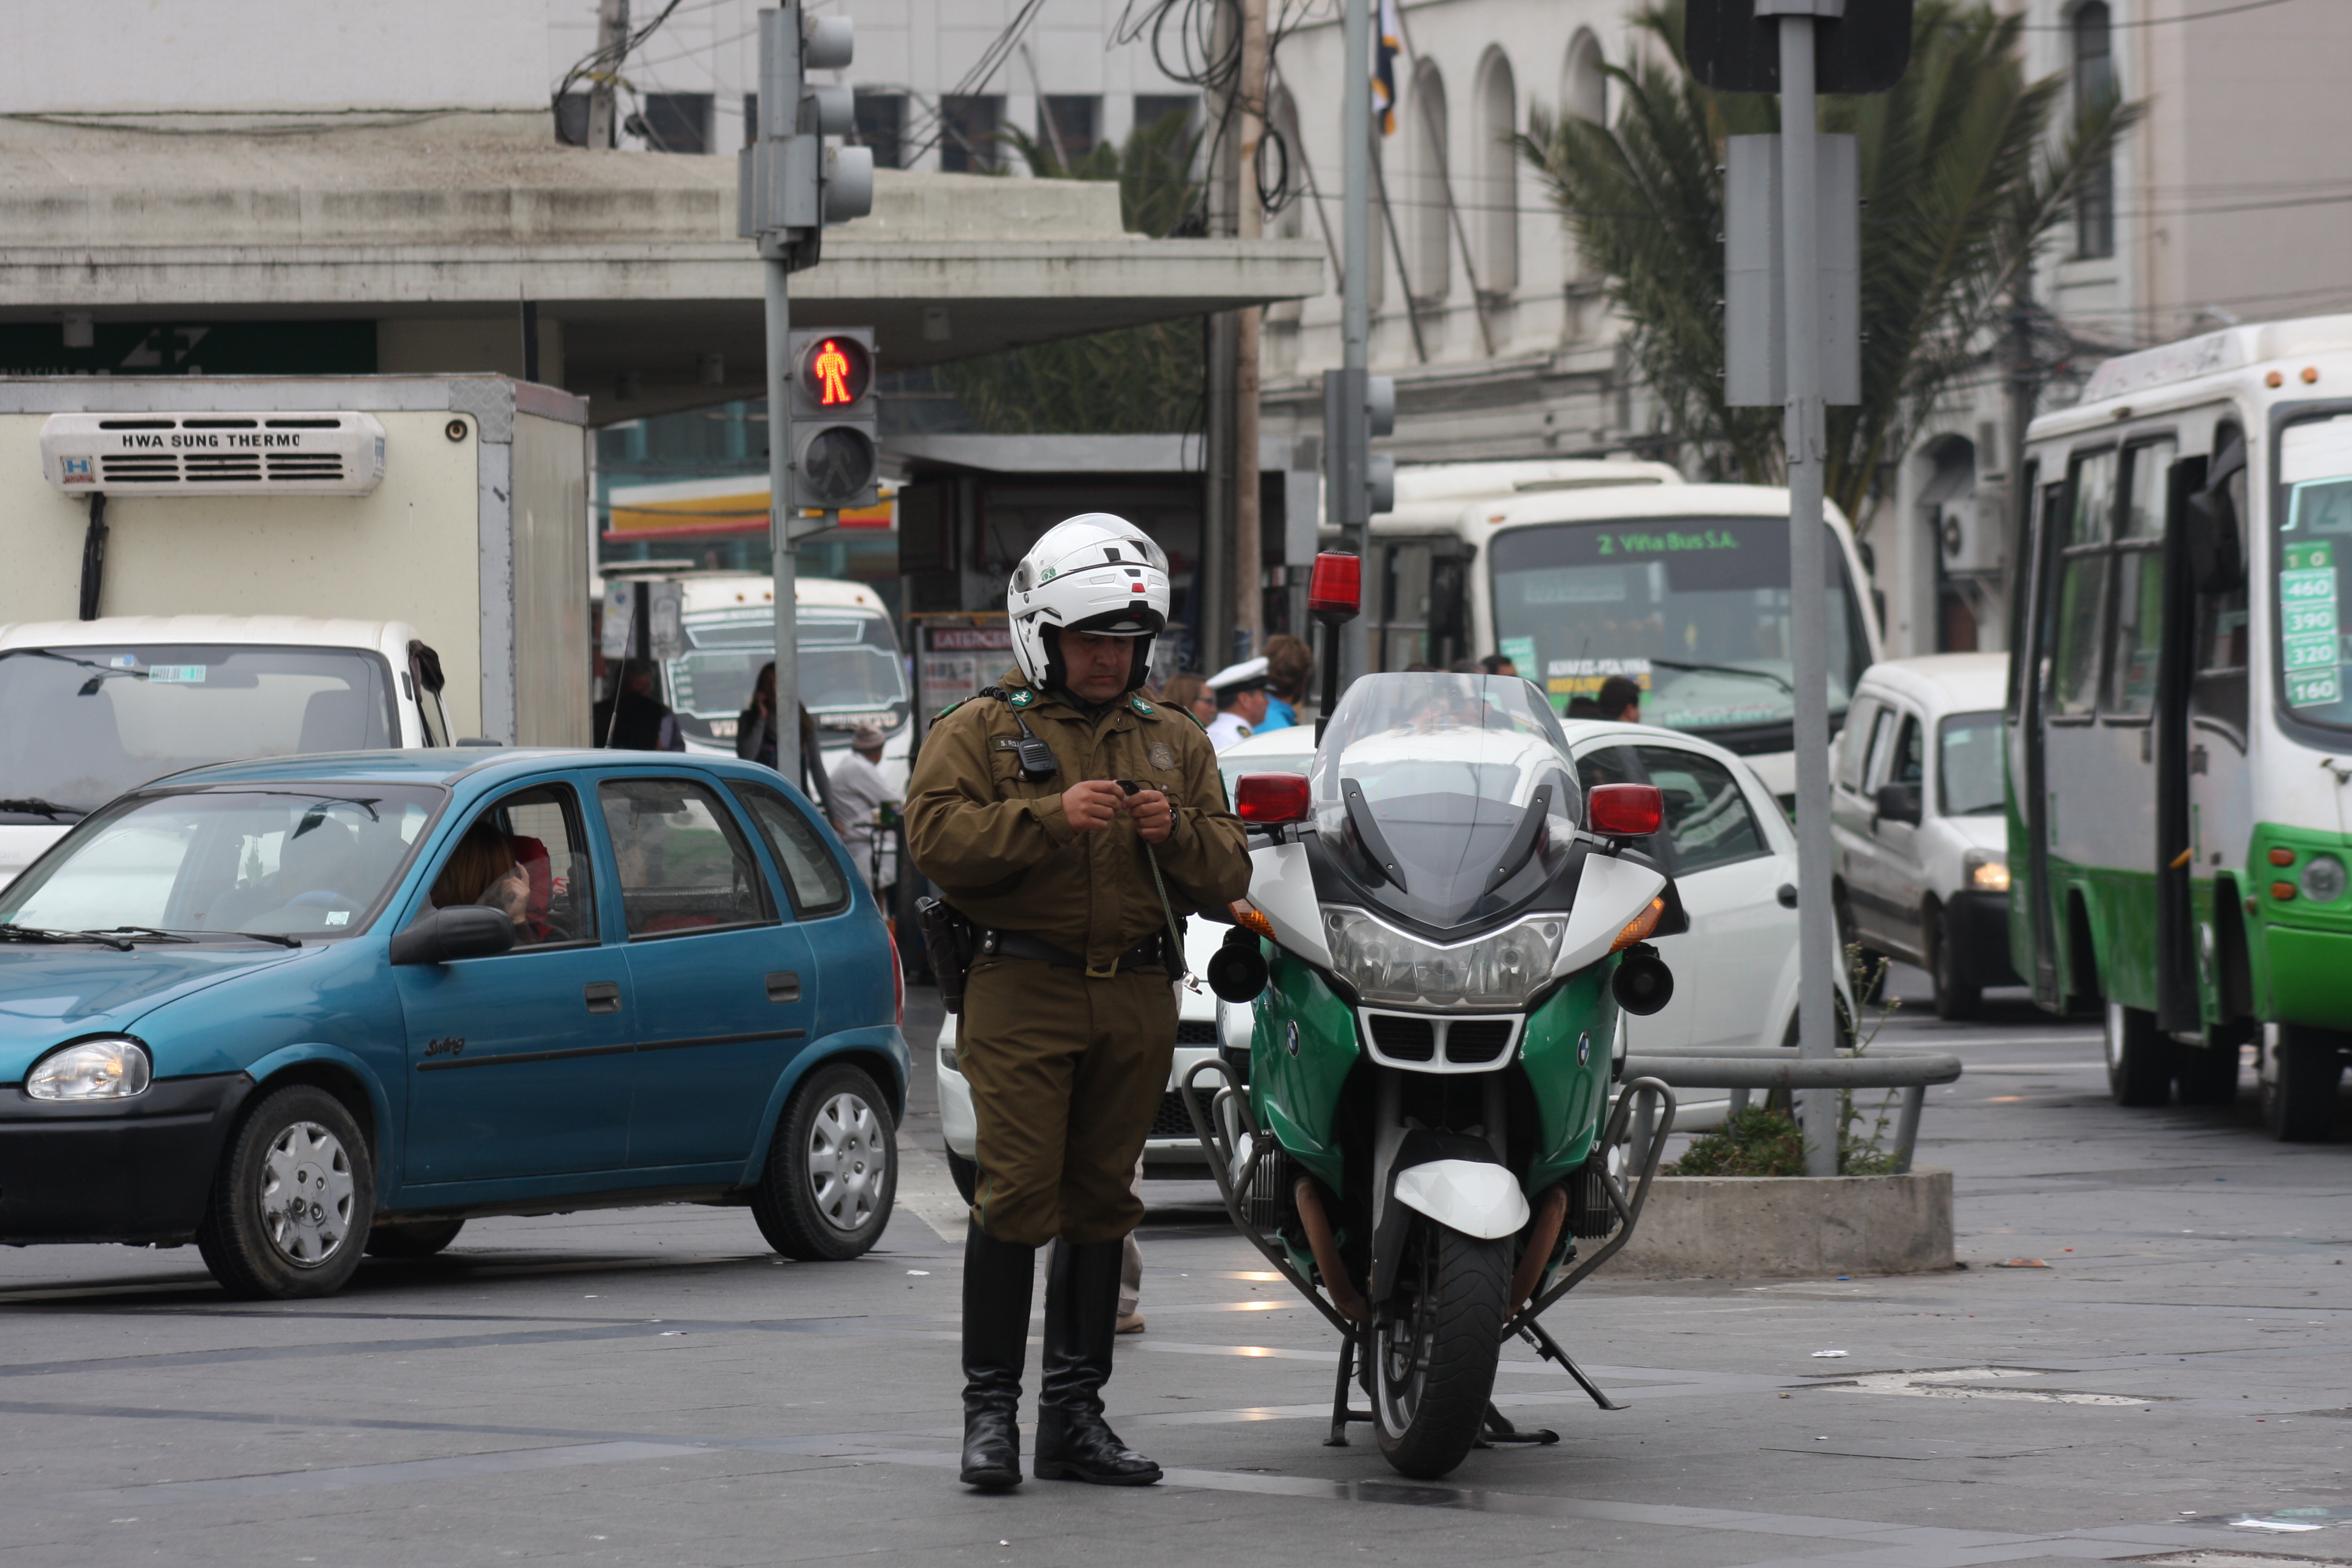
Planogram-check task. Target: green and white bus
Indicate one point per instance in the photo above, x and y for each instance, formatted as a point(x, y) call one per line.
point(2179, 724)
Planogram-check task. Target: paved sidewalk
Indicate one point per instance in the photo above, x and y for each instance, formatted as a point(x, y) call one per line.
point(650, 1386)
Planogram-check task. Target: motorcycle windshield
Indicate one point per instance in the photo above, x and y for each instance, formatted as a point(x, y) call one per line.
point(1450, 798)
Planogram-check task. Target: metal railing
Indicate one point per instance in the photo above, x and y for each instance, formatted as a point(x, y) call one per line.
point(1745, 1071)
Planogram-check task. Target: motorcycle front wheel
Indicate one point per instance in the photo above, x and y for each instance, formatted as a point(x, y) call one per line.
point(1435, 1345)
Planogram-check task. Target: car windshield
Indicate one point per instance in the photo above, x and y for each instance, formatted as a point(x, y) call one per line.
point(849, 664)
point(86, 724)
point(1968, 765)
point(290, 860)
point(1448, 796)
point(1694, 611)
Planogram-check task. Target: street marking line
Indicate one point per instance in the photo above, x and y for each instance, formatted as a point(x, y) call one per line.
point(1958, 1382)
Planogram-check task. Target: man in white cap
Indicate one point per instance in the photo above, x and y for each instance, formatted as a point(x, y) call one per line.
point(1240, 690)
point(859, 793)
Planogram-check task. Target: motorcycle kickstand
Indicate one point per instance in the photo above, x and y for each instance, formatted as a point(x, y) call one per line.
point(1546, 1346)
point(1340, 1414)
point(1498, 1430)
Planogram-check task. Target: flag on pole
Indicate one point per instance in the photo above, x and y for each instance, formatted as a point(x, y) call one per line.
point(1384, 54)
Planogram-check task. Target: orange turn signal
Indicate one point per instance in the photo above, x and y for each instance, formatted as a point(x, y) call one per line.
point(1250, 918)
point(2281, 891)
point(2282, 857)
point(1639, 928)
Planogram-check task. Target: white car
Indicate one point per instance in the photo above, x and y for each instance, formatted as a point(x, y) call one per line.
point(1733, 856)
point(1921, 828)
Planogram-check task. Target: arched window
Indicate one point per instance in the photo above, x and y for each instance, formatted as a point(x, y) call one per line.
point(2094, 83)
point(1583, 86)
point(1495, 201)
point(1428, 228)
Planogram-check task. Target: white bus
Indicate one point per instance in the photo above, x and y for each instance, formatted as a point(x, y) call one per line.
point(1579, 570)
point(2179, 725)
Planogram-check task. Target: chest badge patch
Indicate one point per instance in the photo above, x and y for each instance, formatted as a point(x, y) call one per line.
point(1162, 755)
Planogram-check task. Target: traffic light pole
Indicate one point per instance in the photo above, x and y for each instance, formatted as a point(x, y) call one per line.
point(1807, 437)
point(786, 721)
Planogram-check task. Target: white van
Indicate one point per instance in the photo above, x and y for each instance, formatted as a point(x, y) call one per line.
point(851, 669)
point(1918, 823)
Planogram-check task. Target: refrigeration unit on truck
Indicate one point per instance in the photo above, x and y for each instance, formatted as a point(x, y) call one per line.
point(208, 569)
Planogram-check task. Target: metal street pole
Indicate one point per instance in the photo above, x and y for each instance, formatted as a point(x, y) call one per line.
point(1355, 295)
point(611, 32)
point(787, 719)
point(1808, 444)
point(1249, 554)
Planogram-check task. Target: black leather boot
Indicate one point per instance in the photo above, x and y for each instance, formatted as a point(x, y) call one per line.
point(1074, 1442)
point(997, 1279)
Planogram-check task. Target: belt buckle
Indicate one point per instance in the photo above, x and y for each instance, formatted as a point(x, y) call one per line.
point(1109, 974)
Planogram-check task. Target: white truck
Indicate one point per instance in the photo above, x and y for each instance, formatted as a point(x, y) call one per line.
point(210, 568)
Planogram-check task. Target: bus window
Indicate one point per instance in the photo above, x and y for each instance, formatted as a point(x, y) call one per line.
point(2140, 579)
point(2315, 530)
point(2082, 586)
point(2220, 691)
point(1694, 609)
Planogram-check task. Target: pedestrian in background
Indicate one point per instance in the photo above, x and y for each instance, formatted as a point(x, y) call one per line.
point(1289, 665)
point(755, 727)
point(859, 794)
point(1187, 693)
point(634, 719)
point(1621, 700)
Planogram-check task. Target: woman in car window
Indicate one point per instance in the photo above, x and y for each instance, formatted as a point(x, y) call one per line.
point(482, 871)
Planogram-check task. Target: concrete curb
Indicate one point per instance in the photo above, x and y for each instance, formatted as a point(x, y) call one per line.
point(1759, 1227)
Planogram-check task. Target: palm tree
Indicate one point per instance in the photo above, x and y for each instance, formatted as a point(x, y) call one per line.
point(1961, 187)
point(1133, 380)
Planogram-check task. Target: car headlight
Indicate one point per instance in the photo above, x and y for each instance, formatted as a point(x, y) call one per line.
point(2323, 880)
point(1987, 871)
point(91, 1069)
point(1387, 966)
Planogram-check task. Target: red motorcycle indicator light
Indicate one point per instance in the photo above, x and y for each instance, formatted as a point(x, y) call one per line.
point(1624, 810)
point(1273, 797)
point(1336, 586)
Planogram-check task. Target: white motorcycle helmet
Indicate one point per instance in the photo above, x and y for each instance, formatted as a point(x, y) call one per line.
point(1093, 573)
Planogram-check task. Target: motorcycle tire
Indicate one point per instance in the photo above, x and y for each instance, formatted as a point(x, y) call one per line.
point(1435, 1342)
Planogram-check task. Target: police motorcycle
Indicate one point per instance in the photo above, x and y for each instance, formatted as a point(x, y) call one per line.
point(1441, 937)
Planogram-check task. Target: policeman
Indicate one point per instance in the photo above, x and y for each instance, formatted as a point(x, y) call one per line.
point(1241, 700)
point(1020, 809)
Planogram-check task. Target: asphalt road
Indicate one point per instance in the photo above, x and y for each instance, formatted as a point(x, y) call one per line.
point(650, 1386)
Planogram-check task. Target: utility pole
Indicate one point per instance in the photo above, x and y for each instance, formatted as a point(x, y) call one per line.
point(1355, 298)
point(1249, 595)
point(612, 42)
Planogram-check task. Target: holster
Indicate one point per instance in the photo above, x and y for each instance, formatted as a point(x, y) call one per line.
point(948, 937)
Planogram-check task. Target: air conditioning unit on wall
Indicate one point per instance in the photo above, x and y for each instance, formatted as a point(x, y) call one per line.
point(212, 454)
point(1973, 530)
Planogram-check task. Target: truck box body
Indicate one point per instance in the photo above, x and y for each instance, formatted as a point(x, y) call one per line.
point(476, 534)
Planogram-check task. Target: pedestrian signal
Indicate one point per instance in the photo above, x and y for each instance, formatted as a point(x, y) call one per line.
point(836, 416)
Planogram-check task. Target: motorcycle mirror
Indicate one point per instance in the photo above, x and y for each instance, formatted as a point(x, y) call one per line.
point(1642, 985)
point(1270, 798)
point(1624, 810)
point(1236, 972)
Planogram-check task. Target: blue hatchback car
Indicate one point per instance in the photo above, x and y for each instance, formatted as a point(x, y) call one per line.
point(298, 1009)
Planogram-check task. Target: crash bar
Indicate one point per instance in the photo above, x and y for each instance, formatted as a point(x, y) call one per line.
point(1741, 1071)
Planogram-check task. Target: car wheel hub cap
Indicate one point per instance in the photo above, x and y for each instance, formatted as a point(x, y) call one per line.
point(307, 1193)
point(847, 1161)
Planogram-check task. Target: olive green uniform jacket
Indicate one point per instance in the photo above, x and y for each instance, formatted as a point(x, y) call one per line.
point(1001, 852)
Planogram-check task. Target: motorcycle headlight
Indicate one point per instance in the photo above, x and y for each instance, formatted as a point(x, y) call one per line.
point(91, 1069)
point(1388, 967)
point(1987, 871)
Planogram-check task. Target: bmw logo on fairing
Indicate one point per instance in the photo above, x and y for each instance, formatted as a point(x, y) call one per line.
point(1584, 1047)
point(1293, 1041)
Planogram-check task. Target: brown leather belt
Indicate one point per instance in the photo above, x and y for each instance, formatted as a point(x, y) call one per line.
point(1149, 953)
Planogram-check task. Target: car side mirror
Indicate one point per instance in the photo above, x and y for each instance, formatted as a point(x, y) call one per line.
point(1898, 803)
point(468, 930)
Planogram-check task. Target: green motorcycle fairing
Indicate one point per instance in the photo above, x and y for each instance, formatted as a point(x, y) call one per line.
point(1304, 1045)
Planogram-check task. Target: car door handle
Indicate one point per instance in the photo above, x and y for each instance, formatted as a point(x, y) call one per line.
point(604, 995)
point(1787, 894)
point(784, 986)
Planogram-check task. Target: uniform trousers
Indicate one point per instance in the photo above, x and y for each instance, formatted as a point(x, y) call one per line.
point(1067, 1073)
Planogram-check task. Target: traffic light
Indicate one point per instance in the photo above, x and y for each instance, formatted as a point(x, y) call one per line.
point(835, 418)
point(789, 185)
point(1357, 484)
